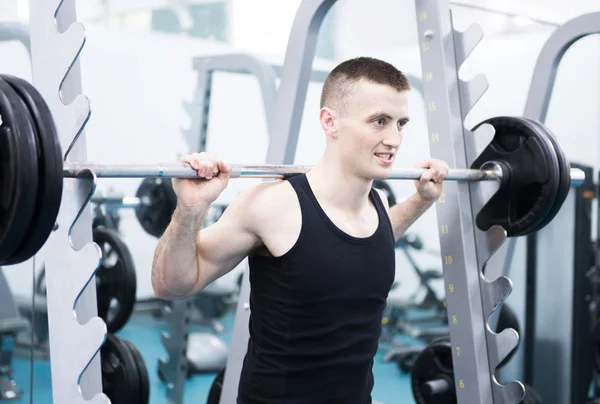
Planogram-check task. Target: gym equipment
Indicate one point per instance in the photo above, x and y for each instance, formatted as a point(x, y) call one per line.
point(447, 99)
point(214, 394)
point(517, 144)
point(158, 202)
point(116, 280)
point(432, 377)
point(11, 323)
point(206, 353)
point(517, 169)
point(142, 372)
point(565, 245)
point(124, 375)
point(405, 355)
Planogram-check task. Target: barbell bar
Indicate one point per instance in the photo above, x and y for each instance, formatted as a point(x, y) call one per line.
point(183, 170)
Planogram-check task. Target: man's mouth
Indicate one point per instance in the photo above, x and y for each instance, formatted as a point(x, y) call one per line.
point(385, 156)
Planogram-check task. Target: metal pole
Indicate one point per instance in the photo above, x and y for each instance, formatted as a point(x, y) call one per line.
point(250, 171)
point(274, 171)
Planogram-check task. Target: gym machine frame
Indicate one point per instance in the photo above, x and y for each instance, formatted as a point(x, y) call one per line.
point(477, 351)
point(71, 259)
point(536, 107)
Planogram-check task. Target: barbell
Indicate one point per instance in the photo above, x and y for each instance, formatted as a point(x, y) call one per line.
point(183, 170)
point(534, 175)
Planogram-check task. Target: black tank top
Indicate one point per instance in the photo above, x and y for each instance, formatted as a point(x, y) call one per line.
point(316, 312)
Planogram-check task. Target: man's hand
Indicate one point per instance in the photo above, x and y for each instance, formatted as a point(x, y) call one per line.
point(429, 186)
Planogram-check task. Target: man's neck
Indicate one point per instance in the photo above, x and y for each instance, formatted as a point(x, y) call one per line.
point(341, 189)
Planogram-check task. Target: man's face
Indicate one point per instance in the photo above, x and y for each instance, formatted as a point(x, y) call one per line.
point(370, 129)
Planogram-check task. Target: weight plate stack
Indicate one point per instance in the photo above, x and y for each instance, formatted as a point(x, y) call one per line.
point(432, 376)
point(142, 371)
point(120, 380)
point(18, 175)
point(49, 166)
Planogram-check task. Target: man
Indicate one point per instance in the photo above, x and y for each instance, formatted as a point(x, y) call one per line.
point(320, 245)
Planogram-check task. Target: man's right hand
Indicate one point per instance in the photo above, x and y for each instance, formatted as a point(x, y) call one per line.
point(206, 188)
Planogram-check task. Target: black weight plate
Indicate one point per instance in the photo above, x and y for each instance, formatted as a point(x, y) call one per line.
point(507, 319)
point(157, 204)
point(564, 176)
point(134, 371)
point(143, 377)
point(387, 190)
point(19, 176)
point(115, 280)
point(530, 187)
point(119, 372)
point(434, 362)
point(214, 394)
point(49, 170)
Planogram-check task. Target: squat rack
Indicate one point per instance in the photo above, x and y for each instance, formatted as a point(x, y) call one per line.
point(72, 259)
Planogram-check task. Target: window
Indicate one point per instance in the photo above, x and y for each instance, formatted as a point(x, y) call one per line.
point(208, 20)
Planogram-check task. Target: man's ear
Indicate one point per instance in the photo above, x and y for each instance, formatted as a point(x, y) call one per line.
point(328, 119)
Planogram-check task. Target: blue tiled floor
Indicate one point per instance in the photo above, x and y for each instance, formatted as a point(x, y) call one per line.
point(390, 385)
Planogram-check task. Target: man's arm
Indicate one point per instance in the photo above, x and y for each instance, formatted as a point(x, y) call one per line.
point(187, 259)
point(429, 189)
point(404, 214)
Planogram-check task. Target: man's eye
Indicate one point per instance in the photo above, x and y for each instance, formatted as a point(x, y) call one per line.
point(379, 121)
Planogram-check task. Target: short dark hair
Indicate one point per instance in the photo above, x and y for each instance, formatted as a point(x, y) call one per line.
point(340, 80)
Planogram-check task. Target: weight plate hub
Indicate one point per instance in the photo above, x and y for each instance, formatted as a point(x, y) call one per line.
point(19, 172)
point(49, 170)
point(531, 176)
point(157, 204)
point(116, 281)
point(432, 376)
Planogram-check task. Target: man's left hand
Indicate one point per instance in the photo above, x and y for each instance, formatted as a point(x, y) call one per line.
point(429, 186)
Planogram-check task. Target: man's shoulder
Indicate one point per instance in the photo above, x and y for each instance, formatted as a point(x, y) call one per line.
point(268, 199)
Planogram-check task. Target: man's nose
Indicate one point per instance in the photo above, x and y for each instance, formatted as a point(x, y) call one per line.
point(393, 138)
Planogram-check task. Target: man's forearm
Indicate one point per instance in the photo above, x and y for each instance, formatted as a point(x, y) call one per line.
point(404, 214)
point(175, 265)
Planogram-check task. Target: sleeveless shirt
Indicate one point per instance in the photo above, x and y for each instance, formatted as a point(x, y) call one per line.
point(315, 312)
